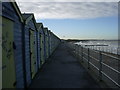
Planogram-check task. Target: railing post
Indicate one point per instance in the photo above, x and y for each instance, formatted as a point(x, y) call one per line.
point(88, 58)
point(72, 46)
point(82, 53)
point(79, 51)
point(75, 49)
point(100, 66)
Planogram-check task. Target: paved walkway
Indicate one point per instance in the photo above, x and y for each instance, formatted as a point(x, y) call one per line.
point(63, 71)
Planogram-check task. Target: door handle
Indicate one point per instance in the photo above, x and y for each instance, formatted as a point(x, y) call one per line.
point(40, 49)
point(14, 84)
point(14, 46)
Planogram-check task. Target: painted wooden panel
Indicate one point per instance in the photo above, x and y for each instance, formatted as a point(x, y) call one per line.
point(36, 52)
point(27, 56)
point(47, 47)
point(49, 43)
point(18, 54)
point(38, 36)
point(46, 43)
point(42, 48)
point(32, 52)
point(9, 12)
point(8, 64)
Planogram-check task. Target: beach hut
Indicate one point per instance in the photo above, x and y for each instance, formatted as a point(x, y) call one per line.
point(54, 41)
point(46, 43)
point(42, 43)
point(49, 43)
point(57, 41)
point(31, 57)
point(13, 72)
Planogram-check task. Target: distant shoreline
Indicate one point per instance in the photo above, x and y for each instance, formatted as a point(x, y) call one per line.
point(78, 40)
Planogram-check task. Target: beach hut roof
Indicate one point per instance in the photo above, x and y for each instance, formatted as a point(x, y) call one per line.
point(29, 16)
point(14, 4)
point(25, 16)
point(45, 28)
point(39, 25)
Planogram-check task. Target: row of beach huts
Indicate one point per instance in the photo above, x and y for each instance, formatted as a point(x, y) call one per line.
point(26, 46)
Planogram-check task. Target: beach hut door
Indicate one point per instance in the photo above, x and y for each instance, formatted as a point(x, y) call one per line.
point(32, 53)
point(8, 62)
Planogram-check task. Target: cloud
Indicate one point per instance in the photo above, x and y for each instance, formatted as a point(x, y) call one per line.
point(67, 0)
point(69, 10)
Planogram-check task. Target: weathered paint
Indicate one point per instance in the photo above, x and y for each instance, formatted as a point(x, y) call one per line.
point(8, 62)
point(36, 50)
point(25, 61)
point(39, 37)
point(39, 46)
point(42, 43)
point(49, 43)
point(46, 43)
point(30, 25)
point(32, 52)
point(54, 41)
point(27, 55)
point(10, 11)
point(44, 39)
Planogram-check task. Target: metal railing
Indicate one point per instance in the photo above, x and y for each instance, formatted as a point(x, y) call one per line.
point(106, 66)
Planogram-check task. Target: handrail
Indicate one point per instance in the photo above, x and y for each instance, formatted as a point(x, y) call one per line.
point(110, 67)
point(99, 68)
point(85, 58)
point(94, 65)
point(84, 53)
point(110, 79)
point(91, 57)
point(94, 58)
point(111, 56)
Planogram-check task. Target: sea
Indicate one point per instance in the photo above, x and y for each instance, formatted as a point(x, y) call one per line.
point(110, 46)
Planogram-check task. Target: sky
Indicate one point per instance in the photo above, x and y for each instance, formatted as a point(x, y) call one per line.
point(76, 19)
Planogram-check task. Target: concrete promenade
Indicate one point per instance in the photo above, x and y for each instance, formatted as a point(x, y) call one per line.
point(62, 70)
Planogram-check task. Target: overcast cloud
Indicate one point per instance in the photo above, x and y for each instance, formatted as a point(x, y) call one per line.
point(67, 0)
point(69, 10)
